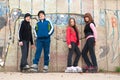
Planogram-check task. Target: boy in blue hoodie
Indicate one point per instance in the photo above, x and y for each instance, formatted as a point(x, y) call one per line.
point(44, 29)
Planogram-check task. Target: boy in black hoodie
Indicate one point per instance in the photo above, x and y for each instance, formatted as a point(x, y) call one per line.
point(25, 36)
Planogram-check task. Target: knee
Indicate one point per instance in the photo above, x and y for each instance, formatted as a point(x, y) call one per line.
point(83, 55)
point(79, 54)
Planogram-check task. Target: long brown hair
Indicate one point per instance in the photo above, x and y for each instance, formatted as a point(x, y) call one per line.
point(89, 16)
point(69, 24)
point(74, 28)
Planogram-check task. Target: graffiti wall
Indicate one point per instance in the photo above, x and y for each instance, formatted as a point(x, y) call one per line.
point(59, 11)
point(3, 23)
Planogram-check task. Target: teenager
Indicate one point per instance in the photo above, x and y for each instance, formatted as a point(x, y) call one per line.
point(44, 29)
point(25, 36)
point(72, 38)
point(91, 37)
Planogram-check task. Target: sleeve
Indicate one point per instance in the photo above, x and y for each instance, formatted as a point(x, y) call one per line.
point(21, 31)
point(92, 26)
point(78, 37)
point(35, 30)
point(68, 36)
point(31, 38)
point(50, 27)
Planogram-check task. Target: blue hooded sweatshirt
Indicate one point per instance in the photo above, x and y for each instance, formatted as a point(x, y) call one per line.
point(44, 29)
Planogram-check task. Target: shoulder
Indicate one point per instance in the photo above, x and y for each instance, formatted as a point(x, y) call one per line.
point(22, 22)
point(92, 24)
point(69, 28)
point(38, 22)
point(48, 20)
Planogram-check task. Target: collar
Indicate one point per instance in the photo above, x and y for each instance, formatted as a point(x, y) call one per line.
point(42, 20)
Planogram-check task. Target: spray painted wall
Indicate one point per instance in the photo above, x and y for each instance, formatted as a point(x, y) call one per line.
point(106, 16)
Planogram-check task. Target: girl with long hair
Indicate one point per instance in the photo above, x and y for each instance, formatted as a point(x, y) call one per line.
point(72, 37)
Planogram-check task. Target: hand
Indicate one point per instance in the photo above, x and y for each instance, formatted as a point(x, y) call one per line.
point(95, 43)
point(69, 46)
point(20, 43)
point(33, 46)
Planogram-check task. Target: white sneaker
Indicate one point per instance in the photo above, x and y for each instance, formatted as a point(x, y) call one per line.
point(79, 69)
point(74, 69)
point(1, 62)
point(33, 70)
point(45, 69)
point(68, 69)
point(26, 67)
point(35, 66)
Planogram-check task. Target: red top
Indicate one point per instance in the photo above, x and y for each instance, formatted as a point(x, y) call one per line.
point(71, 36)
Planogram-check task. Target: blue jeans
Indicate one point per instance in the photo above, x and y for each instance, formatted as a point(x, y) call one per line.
point(42, 43)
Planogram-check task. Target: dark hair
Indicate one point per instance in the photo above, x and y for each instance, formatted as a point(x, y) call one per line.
point(89, 16)
point(27, 14)
point(41, 12)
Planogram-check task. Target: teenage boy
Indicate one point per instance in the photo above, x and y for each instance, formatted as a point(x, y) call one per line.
point(44, 29)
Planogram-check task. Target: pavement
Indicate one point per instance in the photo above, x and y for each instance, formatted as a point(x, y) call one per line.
point(58, 76)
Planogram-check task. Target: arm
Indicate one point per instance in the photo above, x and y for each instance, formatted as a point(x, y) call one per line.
point(78, 37)
point(92, 26)
point(50, 27)
point(35, 30)
point(68, 36)
point(21, 31)
point(31, 38)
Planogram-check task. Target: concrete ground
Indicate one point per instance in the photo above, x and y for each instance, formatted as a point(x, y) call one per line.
point(58, 76)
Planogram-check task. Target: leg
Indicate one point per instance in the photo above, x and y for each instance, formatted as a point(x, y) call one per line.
point(24, 55)
point(27, 51)
point(38, 51)
point(92, 51)
point(46, 47)
point(78, 54)
point(69, 60)
point(84, 54)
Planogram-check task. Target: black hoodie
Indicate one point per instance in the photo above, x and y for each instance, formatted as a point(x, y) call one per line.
point(25, 33)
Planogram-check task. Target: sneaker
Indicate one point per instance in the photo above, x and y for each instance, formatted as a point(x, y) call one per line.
point(26, 67)
point(95, 70)
point(79, 69)
point(85, 69)
point(91, 69)
point(0, 60)
point(45, 69)
point(34, 68)
point(68, 70)
point(74, 69)
point(1, 63)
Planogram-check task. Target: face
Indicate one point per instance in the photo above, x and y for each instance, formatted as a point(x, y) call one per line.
point(72, 23)
point(28, 19)
point(86, 19)
point(41, 16)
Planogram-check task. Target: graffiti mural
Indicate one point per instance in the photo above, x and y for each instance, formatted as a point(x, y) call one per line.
point(112, 34)
point(3, 14)
point(3, 23)
point(102, 18)
point(108, 28)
